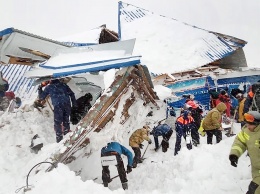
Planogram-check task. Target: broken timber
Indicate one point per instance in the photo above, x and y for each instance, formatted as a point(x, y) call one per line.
point(134, 78)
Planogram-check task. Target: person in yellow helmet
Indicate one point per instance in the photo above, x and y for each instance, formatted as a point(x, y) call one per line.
point(249, 139)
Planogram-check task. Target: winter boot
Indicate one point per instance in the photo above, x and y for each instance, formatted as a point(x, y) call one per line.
point(59, 138)
point(134, 164)
point(105, 184)
point(125, 186)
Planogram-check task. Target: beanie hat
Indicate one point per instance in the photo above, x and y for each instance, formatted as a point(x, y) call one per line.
point(223, 92)
point(10, 95)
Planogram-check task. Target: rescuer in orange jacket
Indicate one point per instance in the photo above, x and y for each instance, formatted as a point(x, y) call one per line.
point(184, 125)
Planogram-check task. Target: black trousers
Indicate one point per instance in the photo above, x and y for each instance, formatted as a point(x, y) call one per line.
point(215, 132)
point(252, 188)
point(165, 141)
point(120, 169)
point(137, 157)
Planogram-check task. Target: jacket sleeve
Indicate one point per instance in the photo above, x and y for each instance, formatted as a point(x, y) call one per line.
point(239, 144)
point(179, 126)
point(72, 96)
point(247, 104)
point(144, 135)
point(129, 155)
point(43, 94)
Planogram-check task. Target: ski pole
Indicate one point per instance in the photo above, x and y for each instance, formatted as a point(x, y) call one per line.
point(145, 151)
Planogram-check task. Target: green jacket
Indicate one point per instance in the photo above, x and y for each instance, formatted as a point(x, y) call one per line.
point(247, 140)
point(213, 118)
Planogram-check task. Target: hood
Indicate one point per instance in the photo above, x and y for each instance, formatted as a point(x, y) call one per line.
point(221, 107)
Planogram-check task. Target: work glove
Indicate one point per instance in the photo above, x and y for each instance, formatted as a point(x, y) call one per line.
point(129, 169)
point(141, 146)
point(150, 141)
point(40, 87)
point(233, 160)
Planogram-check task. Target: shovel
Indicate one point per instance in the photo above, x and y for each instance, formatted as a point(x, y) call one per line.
point(230, 132)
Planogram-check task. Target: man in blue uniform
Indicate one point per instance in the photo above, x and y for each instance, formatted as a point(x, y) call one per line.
point(61, 97)
point(165, 131)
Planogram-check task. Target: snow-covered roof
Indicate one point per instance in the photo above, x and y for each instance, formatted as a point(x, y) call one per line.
point(78, 60)
point(14, 39)
point(167, 43)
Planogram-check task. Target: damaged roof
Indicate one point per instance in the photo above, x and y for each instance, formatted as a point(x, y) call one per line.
point(14, 42)
point(167, 43)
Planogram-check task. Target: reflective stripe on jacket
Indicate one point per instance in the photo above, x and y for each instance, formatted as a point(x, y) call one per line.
point(247, 140)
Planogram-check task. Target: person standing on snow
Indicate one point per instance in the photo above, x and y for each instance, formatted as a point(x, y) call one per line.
point(241, 101)
point(212, 122)
point(136, 140)
point(4, 86)
point(184, 125)
point(170, 116)
point(61, 97)
point(111, 155)
point(252, 100)
point(196, 111)
point(249, 139)
point(165, 131)
point(224, 97)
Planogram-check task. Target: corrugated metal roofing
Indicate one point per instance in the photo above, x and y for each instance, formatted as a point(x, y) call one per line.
point(20, 85)
point(169, 43)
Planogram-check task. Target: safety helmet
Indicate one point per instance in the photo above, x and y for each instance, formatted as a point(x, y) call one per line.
point(252, 117)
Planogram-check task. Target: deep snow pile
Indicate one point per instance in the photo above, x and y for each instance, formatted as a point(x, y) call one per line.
point(204, 169)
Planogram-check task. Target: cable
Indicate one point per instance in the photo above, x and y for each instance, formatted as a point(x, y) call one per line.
point(26, 188)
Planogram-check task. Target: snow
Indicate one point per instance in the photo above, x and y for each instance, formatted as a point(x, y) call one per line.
point(205, 169)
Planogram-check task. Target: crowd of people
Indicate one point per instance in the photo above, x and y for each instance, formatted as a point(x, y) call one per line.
point(190, 124)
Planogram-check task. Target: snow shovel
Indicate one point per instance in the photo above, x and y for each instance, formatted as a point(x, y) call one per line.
point(188, 140)
point(230, 132)
point(145, 151)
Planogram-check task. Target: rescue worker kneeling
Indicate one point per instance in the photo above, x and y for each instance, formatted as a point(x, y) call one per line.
point(165, 131)
point(111, 155)
point(249, 139)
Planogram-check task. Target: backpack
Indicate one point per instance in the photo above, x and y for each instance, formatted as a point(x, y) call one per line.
point(256, 97)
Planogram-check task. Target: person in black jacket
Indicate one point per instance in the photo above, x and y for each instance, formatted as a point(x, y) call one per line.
point(83, 106)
